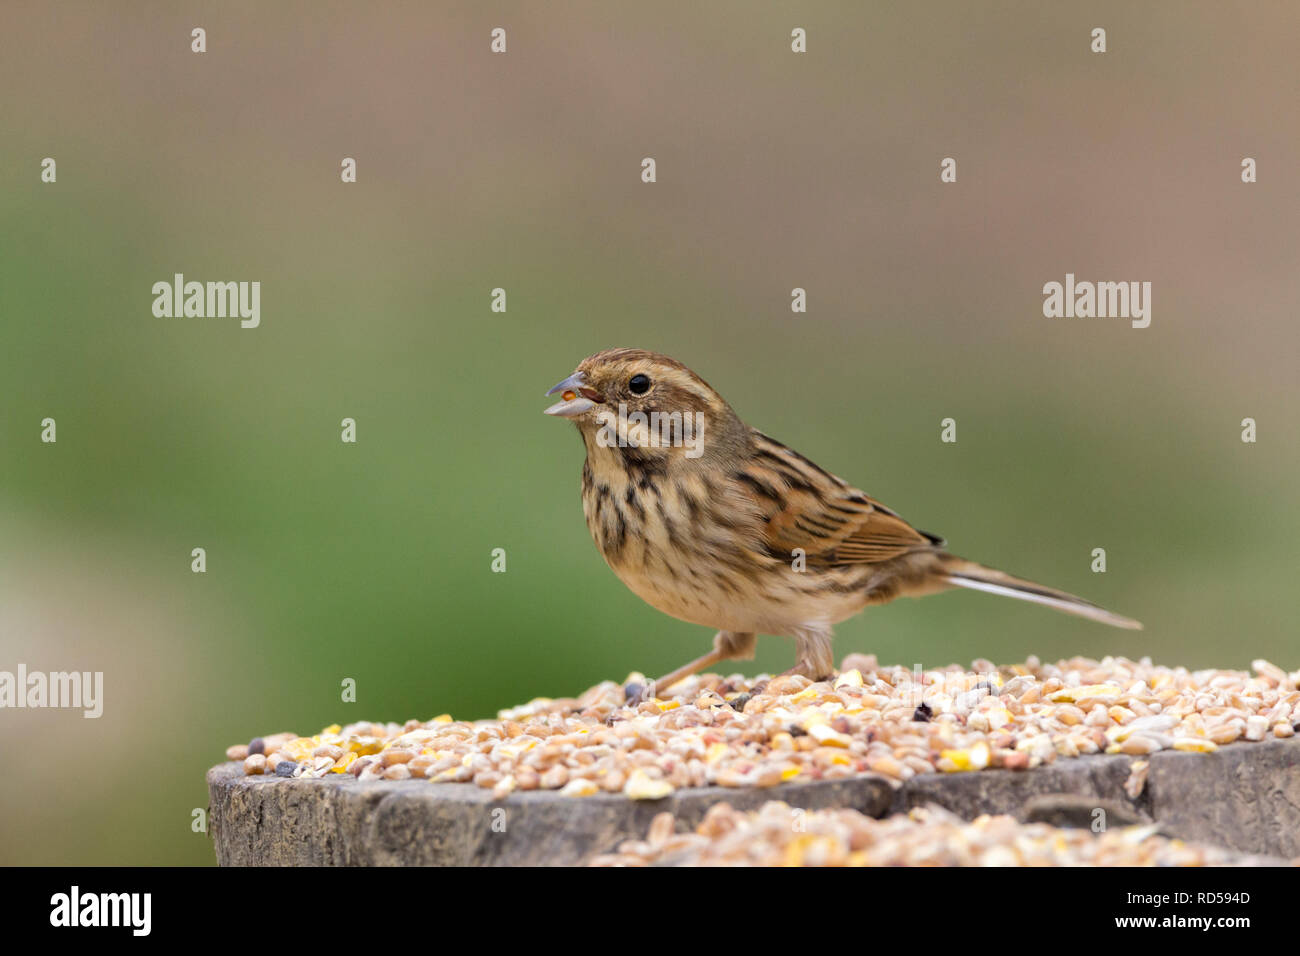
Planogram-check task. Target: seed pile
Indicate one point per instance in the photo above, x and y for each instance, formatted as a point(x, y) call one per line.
point(738, 732)
point(777, 835)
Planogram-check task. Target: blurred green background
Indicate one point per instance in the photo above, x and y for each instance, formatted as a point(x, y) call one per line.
point(775, 170)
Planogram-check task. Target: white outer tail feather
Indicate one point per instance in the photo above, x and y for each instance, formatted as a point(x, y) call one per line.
point(1076, 606)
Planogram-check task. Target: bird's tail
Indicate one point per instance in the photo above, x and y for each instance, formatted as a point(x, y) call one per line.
point(968, 574)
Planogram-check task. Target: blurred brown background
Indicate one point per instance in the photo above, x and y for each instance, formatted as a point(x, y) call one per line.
point(522, 170)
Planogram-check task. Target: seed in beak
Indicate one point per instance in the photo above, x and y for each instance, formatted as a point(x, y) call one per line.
point(569, 396)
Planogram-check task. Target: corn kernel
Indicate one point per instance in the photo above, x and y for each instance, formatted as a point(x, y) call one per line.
point(1071, 694)
point(976, 758)
point(347, 760)
point(998, 717)
point(641, 786)
point(827, 736)
point(580, 787)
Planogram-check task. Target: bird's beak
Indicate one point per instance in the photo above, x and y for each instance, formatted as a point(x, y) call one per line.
point(578, 397)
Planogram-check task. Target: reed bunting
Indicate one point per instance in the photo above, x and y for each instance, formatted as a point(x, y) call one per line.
point(712, 522)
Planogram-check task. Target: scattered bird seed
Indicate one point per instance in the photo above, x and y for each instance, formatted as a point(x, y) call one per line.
point(777, 835)
point(736, 732)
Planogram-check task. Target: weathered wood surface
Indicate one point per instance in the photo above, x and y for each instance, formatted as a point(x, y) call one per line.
point(1244, 797)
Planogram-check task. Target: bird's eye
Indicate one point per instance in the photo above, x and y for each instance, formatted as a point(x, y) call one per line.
point(639, 384)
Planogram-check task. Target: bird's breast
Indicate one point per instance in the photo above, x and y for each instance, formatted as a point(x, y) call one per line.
point(684, 547)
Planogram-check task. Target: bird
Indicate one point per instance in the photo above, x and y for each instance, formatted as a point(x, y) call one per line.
point(714, 523)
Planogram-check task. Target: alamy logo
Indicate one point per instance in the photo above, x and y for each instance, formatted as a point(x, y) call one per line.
point(1121, 300)
point(102, 909)
point(656, 430)
point(210, 300)
point(56, 689)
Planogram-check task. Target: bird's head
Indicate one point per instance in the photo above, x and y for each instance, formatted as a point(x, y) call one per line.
point(632, 398)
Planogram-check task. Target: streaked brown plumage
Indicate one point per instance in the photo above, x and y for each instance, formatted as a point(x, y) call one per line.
point(740, 533)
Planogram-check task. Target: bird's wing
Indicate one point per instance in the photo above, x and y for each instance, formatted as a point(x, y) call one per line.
point(804, 507)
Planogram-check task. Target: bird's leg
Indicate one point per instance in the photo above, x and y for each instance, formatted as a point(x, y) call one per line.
point(813, 657)
point(726, 645)
point(686, 670)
